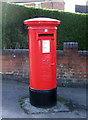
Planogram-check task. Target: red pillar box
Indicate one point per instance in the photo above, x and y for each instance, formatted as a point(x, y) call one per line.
point(42, 51)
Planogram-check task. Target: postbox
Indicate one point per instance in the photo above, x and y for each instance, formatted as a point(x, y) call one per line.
point(42, 52)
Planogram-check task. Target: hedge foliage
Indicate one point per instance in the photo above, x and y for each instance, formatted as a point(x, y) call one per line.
point(72, 28)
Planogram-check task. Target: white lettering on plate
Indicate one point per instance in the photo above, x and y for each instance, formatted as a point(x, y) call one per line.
point(45, 46)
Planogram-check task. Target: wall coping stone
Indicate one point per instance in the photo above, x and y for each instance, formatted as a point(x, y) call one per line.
point(25, 51)
point(70, 44)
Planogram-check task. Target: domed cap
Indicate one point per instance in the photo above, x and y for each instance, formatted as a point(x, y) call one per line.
point(41, 21)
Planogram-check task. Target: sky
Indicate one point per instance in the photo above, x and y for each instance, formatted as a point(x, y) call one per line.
point(70, 4)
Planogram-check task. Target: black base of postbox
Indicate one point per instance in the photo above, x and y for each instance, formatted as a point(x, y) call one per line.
point(43, 98)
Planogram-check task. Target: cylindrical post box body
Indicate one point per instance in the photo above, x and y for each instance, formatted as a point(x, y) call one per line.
point(42, 52)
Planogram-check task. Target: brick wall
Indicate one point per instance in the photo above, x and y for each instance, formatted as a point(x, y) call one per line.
point(30, 4)
point(53, 5)
point(71, 63)
point(48, 5)
point(15, 62)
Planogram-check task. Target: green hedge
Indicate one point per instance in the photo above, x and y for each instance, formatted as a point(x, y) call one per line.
point(72, 28)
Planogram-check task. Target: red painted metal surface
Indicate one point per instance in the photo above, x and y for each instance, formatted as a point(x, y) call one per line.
point(42, 51)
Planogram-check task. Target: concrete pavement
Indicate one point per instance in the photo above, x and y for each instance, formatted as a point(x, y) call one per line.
point(77, 95)
point(12, 91)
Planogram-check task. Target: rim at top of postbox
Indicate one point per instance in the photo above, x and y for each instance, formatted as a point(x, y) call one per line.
point(41, 21)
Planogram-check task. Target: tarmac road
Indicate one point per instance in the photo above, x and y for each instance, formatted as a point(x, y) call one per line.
point(12, 91)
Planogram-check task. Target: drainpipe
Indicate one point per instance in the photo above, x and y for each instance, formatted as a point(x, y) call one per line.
point(51, 4)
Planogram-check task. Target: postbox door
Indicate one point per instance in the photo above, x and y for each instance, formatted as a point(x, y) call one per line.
point(47, 62)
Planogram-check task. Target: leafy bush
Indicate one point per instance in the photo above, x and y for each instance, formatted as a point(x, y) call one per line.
point(72, 28)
